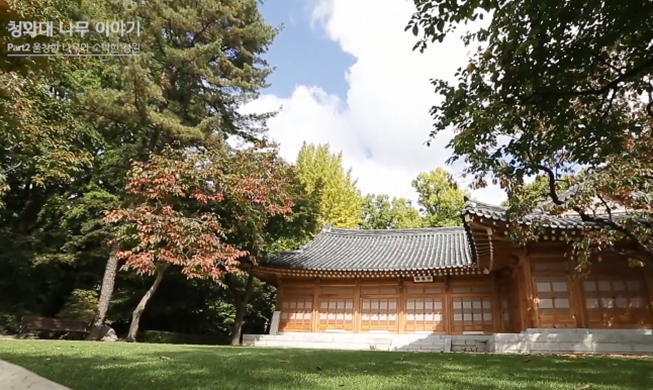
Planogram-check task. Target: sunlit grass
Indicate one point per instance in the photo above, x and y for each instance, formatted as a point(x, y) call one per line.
point(121, 366)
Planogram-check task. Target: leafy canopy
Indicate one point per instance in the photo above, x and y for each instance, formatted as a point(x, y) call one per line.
point(552, 87)
point(186, 207)
point(381, 212)
point(322, 174)
point(439, 197)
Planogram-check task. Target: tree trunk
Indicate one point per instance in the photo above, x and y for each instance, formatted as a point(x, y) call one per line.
point(111, 270)
point(106, 291)
point(241, 309)
point(136, 315)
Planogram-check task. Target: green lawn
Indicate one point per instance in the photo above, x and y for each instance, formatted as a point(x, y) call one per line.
point(120, 366)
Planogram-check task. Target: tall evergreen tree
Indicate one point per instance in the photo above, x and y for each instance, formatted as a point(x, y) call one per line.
point(322, 173)
point(199, 62)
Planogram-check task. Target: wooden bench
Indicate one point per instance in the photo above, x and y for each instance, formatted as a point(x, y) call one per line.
point(53, 325)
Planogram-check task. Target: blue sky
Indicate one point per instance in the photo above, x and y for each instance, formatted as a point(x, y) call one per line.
point(302, 54)
point(346, 75)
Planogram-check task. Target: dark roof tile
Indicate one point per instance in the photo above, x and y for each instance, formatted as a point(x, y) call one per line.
point(498, 213)
point(381, 250)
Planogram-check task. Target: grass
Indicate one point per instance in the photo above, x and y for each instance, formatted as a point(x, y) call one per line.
point(120, 366)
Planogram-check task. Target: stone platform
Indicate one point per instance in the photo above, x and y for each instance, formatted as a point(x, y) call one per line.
point(621, 341)
point(372, 341)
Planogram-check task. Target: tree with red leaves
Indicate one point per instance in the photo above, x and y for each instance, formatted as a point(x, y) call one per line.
point(203, 213)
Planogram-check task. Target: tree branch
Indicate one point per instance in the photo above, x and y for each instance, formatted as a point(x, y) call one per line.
point(608, 209)
point(633, 255)
point(529, 99)
point(600, 221)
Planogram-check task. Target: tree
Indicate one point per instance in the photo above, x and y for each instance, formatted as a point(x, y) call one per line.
point(201, 61)
point(379, 212)
point(549, 90)
point(190, 210)
point(282, 232)
point(322, 173)
point(537, 191)
point(46, 153)
point(439, 197)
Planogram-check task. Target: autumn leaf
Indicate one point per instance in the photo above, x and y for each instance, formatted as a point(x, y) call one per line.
point(176, 216)
point(526, 361)
point(587, 386)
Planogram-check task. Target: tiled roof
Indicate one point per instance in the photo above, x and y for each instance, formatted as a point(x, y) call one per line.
point(381, 250)
point(498, 213)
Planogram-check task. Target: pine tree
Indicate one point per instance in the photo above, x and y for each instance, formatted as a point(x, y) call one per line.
point(199, 62)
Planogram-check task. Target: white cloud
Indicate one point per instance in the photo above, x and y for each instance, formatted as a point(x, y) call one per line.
point(386, 109)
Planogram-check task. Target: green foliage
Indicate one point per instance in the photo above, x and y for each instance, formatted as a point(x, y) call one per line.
point(71, 129)
point(379, 212)
point(439, 197)
point(300, 225)
point(80, 306)
point(322, 174)
point(550, 88)
point(537, 191)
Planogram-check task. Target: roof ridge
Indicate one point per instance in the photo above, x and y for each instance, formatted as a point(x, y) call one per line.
point(475, 204)
point(398, 232)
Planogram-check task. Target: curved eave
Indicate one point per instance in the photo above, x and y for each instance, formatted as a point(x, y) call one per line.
point(278, 271)
point(488, 235)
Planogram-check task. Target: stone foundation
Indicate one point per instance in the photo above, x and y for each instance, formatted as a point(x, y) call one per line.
point(618, 341)
point(372, 341)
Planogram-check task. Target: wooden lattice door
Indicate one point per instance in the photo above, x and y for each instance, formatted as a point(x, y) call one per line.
point(472, 308)
point(379, 309)
point(616, 301)
point(336, 309)
point(424, 309)
point(296, 310)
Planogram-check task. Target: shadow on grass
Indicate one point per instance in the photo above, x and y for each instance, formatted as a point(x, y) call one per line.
point(95, 366)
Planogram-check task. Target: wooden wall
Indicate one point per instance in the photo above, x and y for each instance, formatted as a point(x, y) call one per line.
point(539, 292)
point(613, 295)
point(392, 305)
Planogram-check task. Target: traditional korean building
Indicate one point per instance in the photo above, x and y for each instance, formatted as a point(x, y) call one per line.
point(453, 281)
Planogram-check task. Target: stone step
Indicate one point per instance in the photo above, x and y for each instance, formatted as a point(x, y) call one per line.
point(371, 341)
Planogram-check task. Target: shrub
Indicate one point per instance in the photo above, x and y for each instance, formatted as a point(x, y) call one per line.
point(80, 306)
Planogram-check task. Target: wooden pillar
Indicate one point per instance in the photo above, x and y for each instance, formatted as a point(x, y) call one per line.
point(517, 297)
point(357, 306)
point(315, 316)
point(401, 305)
point(531, 294)
point(648, 275)
point(576, 296)
point(447, 307)
point(277, 303)
point(530, 316)
point(497, 308)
